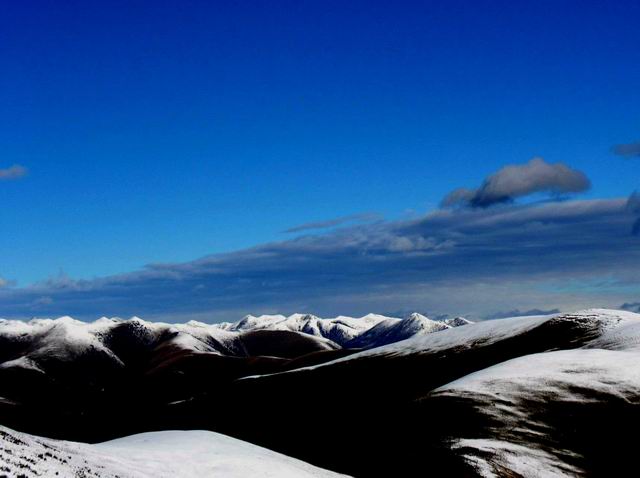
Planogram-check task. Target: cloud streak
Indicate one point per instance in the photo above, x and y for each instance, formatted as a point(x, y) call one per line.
point(339, 221)
point(13, 172)
point(628, 150)
point(514, 181)
point(472, 261)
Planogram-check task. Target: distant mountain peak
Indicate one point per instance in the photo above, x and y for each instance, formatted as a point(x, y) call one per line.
point(457, 322)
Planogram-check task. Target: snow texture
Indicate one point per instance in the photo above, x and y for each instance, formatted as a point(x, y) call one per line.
point(167, 454)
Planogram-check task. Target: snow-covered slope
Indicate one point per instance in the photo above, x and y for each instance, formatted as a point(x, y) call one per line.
point(513, 393)
point(394, 330)
point(339, 329)
point(599, 380)
point(167, 454)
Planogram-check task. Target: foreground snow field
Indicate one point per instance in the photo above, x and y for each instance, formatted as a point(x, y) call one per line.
point(170, 454)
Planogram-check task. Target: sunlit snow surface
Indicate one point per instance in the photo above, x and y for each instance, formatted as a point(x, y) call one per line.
point(606, 368)
point(170, 454)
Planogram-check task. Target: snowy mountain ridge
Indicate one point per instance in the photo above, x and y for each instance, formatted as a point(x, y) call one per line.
point(65, 337)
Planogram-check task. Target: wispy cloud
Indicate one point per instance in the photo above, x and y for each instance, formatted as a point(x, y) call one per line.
point(519, 180)
point(629, 150)
point(13, 172)
point(339, 221)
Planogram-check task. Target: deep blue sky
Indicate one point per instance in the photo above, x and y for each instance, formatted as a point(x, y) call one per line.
point(166, 131)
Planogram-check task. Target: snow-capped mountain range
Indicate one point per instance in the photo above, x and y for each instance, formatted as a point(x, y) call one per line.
point(554, 395)
point(345, 331)
point(27, 343)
